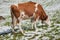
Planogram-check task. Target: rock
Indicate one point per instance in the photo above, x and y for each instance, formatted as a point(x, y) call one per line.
point(2, 18)
point(5, 30)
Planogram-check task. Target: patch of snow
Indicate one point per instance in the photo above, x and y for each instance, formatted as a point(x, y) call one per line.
point(57, 24)
point(53, 8)
point(45, 38)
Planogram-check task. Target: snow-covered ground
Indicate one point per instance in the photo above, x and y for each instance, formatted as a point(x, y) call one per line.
point(51, 7)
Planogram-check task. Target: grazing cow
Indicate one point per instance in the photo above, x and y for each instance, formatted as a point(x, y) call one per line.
point(28, 10)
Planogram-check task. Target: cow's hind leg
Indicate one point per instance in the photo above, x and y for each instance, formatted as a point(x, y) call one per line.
point(20, 28)
point(13, 22)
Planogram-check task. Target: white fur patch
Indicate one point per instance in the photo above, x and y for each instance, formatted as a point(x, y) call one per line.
point(36, 5)
point(21, 14)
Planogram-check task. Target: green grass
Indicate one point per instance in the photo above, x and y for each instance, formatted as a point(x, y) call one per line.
point(7, 23)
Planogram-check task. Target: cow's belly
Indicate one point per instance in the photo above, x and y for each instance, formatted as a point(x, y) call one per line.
point(26, 17)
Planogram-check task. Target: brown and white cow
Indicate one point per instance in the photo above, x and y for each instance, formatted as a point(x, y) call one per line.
point(28, 10)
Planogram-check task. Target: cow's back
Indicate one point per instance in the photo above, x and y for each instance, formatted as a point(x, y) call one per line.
point(28, 7)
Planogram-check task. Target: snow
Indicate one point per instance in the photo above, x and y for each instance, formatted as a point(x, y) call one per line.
point(53, 7)
point(45, 38)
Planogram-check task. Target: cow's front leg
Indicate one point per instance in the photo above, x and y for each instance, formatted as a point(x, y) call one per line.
point(35, 26)
point(34, 23)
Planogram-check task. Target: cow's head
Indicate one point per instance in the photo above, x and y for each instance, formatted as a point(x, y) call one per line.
point(47, 21)
point(45, 18)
